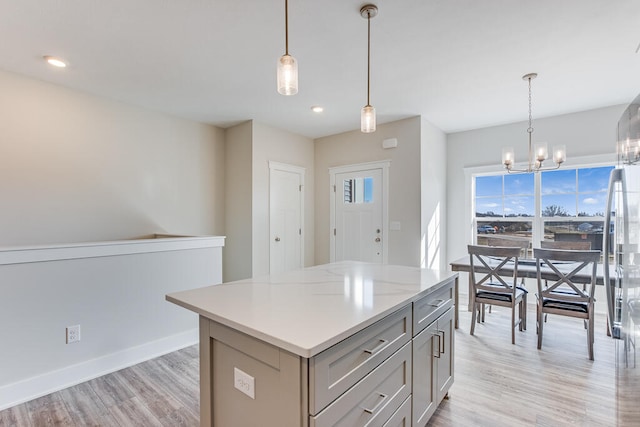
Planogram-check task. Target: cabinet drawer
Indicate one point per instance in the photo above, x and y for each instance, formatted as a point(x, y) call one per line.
point(402, 417)
point(373, 400)
point(428, 308)
point(335, 370)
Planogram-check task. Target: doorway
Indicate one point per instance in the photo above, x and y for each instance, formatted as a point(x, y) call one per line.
point(286, 217)
point(359, 206)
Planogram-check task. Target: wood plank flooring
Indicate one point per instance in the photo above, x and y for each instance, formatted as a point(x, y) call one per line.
point(496, 384)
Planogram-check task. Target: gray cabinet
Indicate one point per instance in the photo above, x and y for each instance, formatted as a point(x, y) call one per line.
point(392, 373)
point(433, 364)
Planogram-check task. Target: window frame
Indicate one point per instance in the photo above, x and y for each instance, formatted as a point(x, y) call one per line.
point(537, 221)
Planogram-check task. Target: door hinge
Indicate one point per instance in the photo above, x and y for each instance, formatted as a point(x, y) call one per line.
point(334, 188)
point(300, 187)
point(300, 231)
point(334, 231)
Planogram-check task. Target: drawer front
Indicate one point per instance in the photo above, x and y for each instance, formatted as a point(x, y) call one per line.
point(373, 400)
point(335, 370)
point(402, 417)
point(430, 307)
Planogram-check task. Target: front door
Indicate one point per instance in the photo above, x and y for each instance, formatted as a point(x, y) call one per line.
point(358, 205)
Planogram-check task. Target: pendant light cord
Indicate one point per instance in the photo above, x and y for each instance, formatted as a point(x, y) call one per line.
point(286, 27)
point(368, 55)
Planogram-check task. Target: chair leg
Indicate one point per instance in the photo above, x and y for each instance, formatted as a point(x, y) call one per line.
point(524, 312)
point(590, 333)
point(474, 312)
point(513, 324)
point(540, 325)
point(521, 323)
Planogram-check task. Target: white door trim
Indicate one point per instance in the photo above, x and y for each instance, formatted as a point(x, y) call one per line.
point(301, 172)
point(383, 165)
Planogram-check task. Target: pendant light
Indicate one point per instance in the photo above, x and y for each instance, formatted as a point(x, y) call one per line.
point(537, 154)
point(287, 64)
point(368, 113)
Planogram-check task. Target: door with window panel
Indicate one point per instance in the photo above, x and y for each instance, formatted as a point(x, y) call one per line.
point(358, 211)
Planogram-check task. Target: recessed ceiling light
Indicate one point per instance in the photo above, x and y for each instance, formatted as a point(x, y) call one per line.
point(317, 109)
point(56, 62)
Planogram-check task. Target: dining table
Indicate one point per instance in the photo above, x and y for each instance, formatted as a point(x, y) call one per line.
point(526, 269)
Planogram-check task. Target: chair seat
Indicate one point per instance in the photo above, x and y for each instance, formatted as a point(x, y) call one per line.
point(580, 307)
point(499, 296)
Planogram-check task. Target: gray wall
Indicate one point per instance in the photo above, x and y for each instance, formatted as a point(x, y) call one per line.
point(406, 182)
point(79, 168)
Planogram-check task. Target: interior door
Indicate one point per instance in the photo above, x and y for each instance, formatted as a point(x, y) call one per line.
point(285, 206)
point(358, 216)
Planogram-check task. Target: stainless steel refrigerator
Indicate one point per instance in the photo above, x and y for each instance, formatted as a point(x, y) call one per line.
point(621, 245)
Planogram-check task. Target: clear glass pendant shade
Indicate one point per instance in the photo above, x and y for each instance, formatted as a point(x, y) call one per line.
point(368, 119)
point(287, 75)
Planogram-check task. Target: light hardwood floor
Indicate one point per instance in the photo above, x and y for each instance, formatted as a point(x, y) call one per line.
point(496, 384)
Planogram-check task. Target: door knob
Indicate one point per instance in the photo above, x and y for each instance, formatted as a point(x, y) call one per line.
point(277, 239)
point(377, 240)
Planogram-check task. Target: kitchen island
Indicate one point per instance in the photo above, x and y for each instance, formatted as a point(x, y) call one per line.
point(347, 343)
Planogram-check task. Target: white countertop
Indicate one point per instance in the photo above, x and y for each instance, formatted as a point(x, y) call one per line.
point(307, 311)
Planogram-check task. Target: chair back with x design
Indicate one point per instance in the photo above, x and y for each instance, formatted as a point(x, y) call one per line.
point(565, 265)
point(488, 285)
point(563, 269)
point(486, 265)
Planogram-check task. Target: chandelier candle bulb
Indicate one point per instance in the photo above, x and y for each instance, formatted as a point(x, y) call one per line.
point(508, 158)
point(542, 152)
point(559, 154)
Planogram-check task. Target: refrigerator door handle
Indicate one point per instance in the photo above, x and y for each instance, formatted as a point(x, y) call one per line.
point(617, 176)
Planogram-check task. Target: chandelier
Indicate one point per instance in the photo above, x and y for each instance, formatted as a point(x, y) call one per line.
point(538, 153)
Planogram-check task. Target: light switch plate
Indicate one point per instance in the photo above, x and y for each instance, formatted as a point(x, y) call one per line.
point(244, 382)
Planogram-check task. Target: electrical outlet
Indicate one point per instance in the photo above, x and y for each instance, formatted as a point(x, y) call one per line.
point(73, 334)
point(244, 382)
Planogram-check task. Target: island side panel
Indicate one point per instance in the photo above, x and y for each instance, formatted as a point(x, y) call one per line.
point(205, 372)
point(273, 376)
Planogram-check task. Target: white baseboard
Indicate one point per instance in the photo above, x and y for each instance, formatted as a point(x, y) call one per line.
point(32, 388)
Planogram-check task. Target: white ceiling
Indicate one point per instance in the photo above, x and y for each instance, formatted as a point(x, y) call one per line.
point(458, 63)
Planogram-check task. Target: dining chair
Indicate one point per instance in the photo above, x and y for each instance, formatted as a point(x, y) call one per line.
point(489, 286)
point(562, 295)
point(515, 242)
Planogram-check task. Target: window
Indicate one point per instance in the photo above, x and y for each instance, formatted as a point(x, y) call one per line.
point(505, 206)
point(571, 205)
point(358, 190)
point(574, 204)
